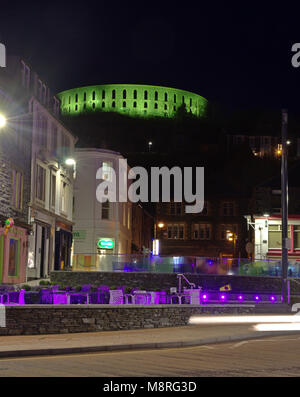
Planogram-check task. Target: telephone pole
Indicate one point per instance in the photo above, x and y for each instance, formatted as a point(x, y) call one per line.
point(284, 209)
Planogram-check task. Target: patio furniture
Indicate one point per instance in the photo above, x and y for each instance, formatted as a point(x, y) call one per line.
point(194, 294)
point(115, 297)
point(142, 298)
point(78, 298)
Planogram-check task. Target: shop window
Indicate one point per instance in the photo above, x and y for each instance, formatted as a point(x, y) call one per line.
point(275, 236)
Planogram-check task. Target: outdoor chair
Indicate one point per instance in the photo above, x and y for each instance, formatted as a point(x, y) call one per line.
point(116, 297)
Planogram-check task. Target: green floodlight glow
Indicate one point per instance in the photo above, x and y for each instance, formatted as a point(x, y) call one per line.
point(105, 243)
point(134, 100)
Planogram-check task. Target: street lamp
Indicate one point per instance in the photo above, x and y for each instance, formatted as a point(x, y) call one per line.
point(2, 121)
point(71, 162)
point(150, 145)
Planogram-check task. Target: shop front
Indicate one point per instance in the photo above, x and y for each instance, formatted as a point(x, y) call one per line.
point(13, 255)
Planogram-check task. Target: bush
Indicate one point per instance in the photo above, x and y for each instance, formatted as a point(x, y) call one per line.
point(26, 287)
point(44, 282)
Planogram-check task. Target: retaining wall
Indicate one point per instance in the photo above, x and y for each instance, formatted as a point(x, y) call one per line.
point(56, 319)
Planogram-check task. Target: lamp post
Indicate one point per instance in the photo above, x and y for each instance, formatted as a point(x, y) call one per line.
point(71, 162)
point(150, 145)
point(284, 209)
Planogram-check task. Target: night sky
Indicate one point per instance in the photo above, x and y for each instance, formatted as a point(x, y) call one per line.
point(235, 54)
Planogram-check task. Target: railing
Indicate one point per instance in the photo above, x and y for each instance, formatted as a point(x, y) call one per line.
point(181, 264)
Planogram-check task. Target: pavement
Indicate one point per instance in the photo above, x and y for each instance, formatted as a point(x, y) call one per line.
point(171, 337)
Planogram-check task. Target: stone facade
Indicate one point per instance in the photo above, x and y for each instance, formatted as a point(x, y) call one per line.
point(55, 319)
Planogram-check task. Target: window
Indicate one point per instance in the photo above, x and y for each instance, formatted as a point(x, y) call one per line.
point(69, 100)
point(166, 107)
point(40, 182)
point(174, 98)
point(183, 99)
point(64, 196)
point(135, 94)
point(65, 145)
point(155, 105)
point(190, 101)
point(105, 210)
point(53, 190)
point(296, 237)
point(145, 105)
point(84, 106)
point(113, 94)
point(176, 231)
point(201, 231)
point(174, 108)
point(225, 228)
point(134, 104)
point(84, 96)
point(124, 104)
point(124, 94)
point(25, 72)
point(228, 208)
point(94, 105)
point(76, 107)
point(146, 95)
point(275, 236)
point(103, 104)
point(54, 138)
point(107, 170)
point(17, 189)
point(103, 94)
point(175, 208)
point(42, 131)
point(76, 98)
point(14, 255)
point(113, 104)
point(94, 95)
point(166, 96)
point(156, 96)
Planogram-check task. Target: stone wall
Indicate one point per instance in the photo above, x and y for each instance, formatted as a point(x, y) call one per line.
point(55, 319)
point(163, 281)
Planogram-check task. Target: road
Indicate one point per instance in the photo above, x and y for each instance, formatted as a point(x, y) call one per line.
point(268, 357)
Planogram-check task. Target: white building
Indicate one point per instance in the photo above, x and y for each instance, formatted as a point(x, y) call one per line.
point(99, 228)
point(268, 234)
point(51, 203)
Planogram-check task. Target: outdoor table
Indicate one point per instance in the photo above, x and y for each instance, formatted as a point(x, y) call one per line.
point(69, 294)
point(141, 295)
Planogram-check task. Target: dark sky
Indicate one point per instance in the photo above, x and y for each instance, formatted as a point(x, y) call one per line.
point(237, 54)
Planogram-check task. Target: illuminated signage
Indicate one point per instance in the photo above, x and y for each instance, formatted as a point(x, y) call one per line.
point(105, 243)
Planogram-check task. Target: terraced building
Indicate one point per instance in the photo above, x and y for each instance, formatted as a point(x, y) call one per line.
point(132, 99)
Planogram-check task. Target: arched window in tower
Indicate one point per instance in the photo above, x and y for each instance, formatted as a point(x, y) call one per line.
point(69, 100)
point(124, 104)
point(76, 98)
point(113, 104)
point(84, 96)
point(146, 95)
point(134, 104)
point(166, 107)
point(103, 104)
point(155, 105)
point(84, 106)
point(166, 96)
point(174, 98)
point(183, 99)
point(135, 94)
point(124, 94)
point(145, 105)
point(94, 105)
point(103, 94)
point(76, 108)
point(156, 96)
point(113, 94)
point(190, 101)
point(94, 95)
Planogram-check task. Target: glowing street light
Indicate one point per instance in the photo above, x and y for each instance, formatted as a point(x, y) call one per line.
point(2, 121)
point(161, 225)
point(70, 162)
point(150, 145)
